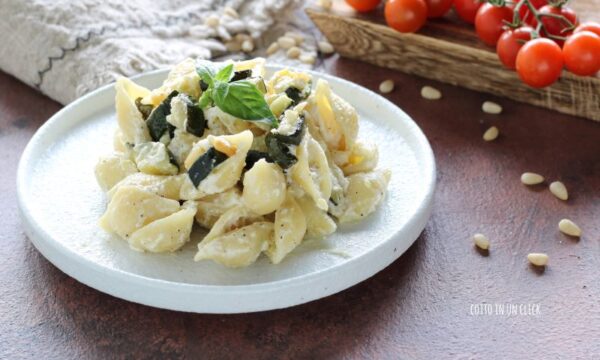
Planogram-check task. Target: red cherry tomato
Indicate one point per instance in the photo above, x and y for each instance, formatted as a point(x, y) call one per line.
point(553, 25)
point(539, 62)
point(467, 9)
point(489, 22)
point(525, 13)
point(438, 8)
point(363, 5)
point(589, 26)
point(406, 15)
point(509, 44)
point(581, 53)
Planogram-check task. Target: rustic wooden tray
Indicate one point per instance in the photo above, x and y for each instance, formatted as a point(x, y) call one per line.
point(448, 50)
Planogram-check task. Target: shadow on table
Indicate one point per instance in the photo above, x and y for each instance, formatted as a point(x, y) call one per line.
point(99, 324)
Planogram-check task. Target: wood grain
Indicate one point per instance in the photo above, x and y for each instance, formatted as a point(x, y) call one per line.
point(417, 308)
point(448, 51)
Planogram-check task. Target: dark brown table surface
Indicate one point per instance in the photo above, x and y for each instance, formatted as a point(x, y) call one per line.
point(424, 305)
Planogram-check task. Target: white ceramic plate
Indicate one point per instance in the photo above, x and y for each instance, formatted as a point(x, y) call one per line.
point(61, 203)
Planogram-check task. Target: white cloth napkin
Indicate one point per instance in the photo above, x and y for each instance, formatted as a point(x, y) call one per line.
point(67, 48)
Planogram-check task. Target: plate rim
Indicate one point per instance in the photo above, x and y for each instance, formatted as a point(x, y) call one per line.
point(103, 278)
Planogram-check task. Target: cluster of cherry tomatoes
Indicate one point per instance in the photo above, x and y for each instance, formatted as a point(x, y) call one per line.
point(537, 38)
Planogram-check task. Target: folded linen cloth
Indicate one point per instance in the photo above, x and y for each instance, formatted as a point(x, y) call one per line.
point(68, 48)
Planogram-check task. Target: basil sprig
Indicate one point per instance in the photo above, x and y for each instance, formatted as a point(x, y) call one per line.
point(238, 98)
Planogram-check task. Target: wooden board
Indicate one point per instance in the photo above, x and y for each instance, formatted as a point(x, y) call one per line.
point(448, 50)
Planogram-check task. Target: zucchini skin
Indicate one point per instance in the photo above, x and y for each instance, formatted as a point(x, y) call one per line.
point(296, 137)
point(279, 152)
point(241, 75)
point(205, 164)
point(196, 122)
point(157, 121)
point(144, 109)
point(253, 156)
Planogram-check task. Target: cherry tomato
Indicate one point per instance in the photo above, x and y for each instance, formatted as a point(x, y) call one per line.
point(363, 5)
point(467, 9)
point(509, 44)
point(589, 26)
point(406, 15)
point(438, 8)
point(525, 13)
point(489, 22)
point(539, 62)
point(581, 53)
point(553, 25)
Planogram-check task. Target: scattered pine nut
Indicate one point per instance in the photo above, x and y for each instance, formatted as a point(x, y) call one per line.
point(233, 46)
point(538, 259)
point(568, 227)
point(431, 93)
point(325, 47)
point(481, 241)
point(325, 4)
point(286, 42)
point(490, 107)
point(293, 52)
point(298, 38)
point(491, 134)
point(386, 87)
point(231, 12)
point(307, 59)
point(247, 46)
point(273, 48)
point(212, 21)
point(530, 178)
point(559, 190)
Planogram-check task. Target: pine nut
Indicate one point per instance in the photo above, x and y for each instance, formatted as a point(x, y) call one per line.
point(431, 93)
point(491, 134)
point(568, 227)
point(224, 146)
point(273, 48)
point(325, 47)
point(530, 178)
point(247, 46)
point(481, 241)
point(538, 259)
point(325, 4)
point(298, 38)
point(231, 12)
point(286, 42)
point(386, 87)
point(212, 21)
point(307, 59)
point(490, 107)
point(293, 52)
point(233, 46)
point(559, 190)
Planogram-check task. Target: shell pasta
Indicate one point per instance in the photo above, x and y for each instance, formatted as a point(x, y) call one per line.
point(260, 163)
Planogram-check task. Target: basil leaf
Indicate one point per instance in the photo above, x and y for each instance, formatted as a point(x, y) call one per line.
point(225, 73)
point(205, 99)
point(206, 70)
point(243, 100)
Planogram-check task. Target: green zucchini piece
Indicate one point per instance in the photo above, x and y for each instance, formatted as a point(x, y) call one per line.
point(144, 109)
point(298, 95)
point(296, 137)
point(157, 121)
point(241, 75)
point(196, 122)
point(205, 164)
point(203, 85)
point(253, 156)
point(279, 152)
